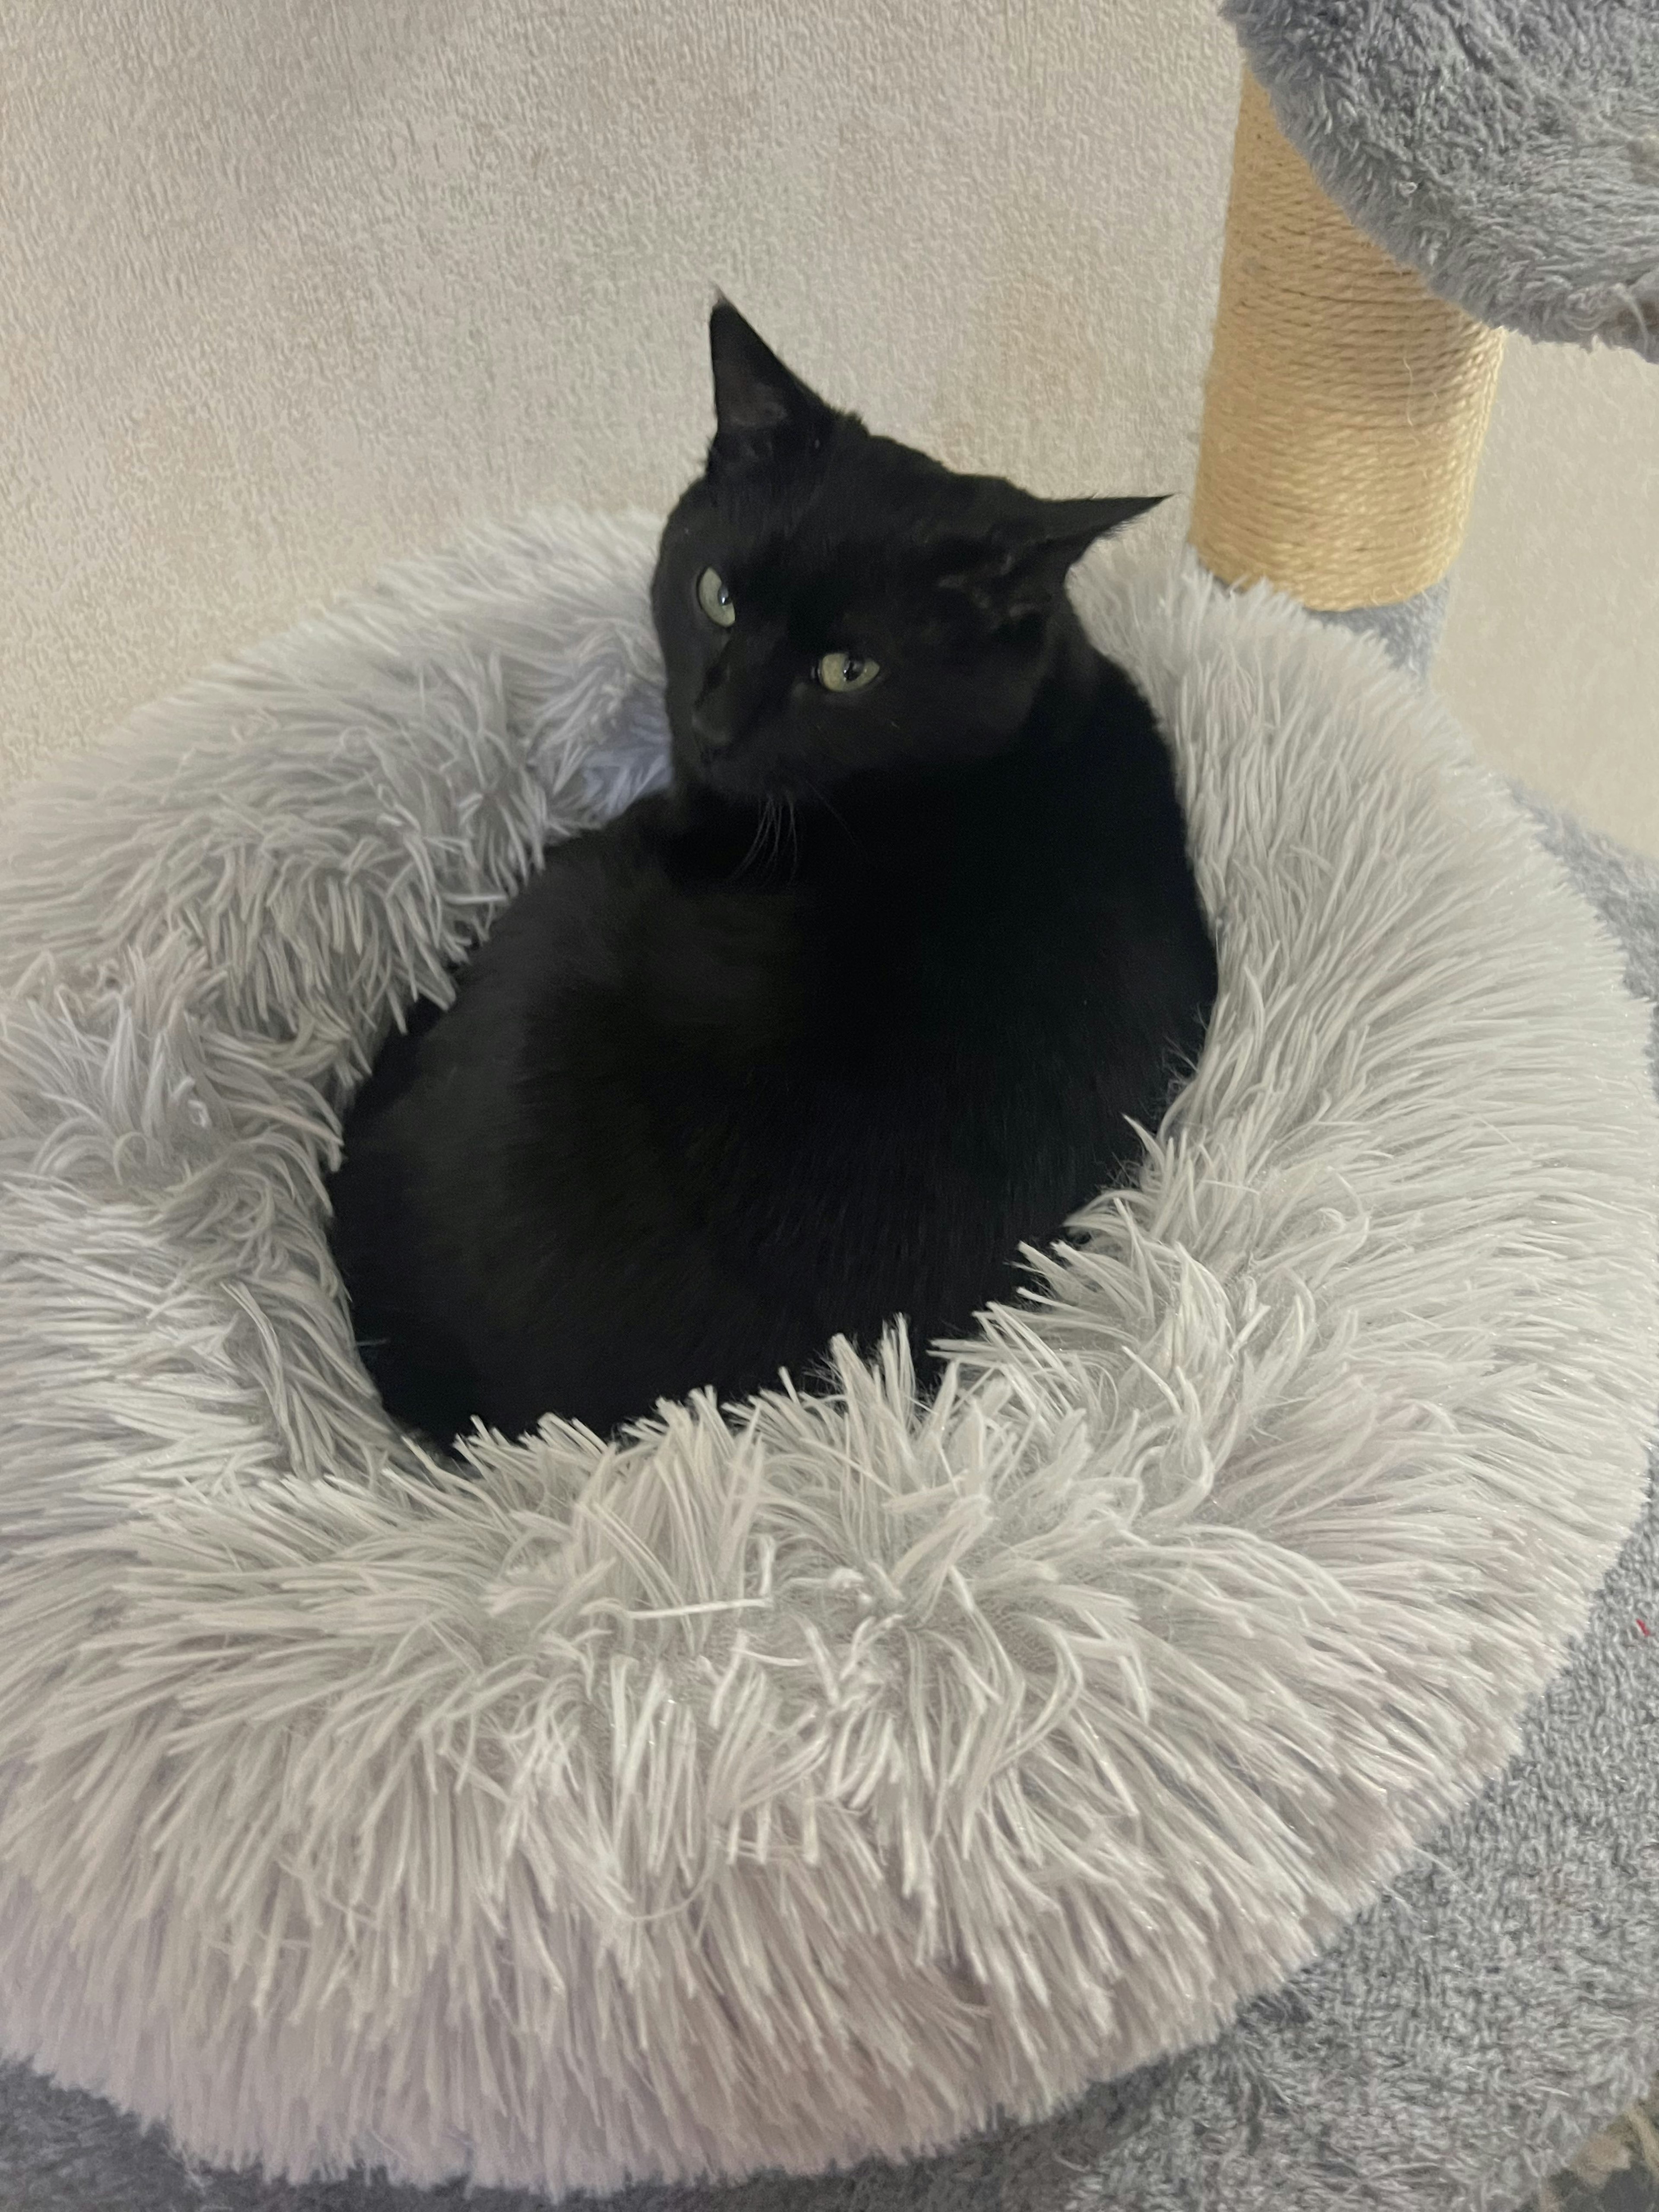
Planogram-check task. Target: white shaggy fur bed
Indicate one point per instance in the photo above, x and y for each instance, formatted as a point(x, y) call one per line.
point(817, 1779)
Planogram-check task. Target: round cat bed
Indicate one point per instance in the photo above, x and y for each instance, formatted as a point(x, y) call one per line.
point(820, 1777)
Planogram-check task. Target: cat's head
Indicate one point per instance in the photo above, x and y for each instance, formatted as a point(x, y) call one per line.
point(830, 602)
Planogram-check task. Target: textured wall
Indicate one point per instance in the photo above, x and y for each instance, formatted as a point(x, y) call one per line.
point(286, 289)
point(1551, 655)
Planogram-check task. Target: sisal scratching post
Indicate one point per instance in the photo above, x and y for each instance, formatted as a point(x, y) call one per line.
point(1346, 405)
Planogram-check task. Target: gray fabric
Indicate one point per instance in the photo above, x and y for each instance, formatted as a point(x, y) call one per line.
point(1509, 150)
point(1408, 630)
point(1456, 2044)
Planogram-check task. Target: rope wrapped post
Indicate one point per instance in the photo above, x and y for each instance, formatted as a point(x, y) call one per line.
point(1346, 406)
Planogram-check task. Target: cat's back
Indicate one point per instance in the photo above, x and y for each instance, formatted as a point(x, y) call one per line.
point(1051, 891)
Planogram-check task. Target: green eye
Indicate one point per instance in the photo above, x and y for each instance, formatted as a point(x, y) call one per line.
point(715, 600)
point(845, 671)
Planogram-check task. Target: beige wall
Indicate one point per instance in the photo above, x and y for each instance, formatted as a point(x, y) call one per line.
point(1551, 655)
point(290, 287)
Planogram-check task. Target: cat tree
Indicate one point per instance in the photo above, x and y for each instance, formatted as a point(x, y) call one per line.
point(818, 1778)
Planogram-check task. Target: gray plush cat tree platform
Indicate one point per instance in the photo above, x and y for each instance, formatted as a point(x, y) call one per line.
point(806, 1784)
point(1507, 151)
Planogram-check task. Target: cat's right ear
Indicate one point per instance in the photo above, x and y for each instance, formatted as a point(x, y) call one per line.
point(759, 404)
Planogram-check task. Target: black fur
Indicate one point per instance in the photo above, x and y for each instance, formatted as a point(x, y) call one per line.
point(822, 1033)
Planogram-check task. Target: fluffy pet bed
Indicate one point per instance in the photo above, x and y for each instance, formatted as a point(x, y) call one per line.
point(818, 1778)
point(1506, 149)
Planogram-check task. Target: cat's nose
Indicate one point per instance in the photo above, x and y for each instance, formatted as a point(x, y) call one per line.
point(711, 724)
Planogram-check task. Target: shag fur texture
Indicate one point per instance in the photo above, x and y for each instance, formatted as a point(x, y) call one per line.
point(1506, 149)
point(818, 1778)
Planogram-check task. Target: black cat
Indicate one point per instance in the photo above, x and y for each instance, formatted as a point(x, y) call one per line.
point(821, 1034)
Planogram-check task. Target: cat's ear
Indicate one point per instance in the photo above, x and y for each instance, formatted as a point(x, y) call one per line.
point(1065, 529)
point(1021, 569)
point(757, 401)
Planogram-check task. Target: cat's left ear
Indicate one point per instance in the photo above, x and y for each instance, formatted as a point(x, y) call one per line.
point(1065, 529)
point(757, 401)
point(1025, 567)
point(1058, 533)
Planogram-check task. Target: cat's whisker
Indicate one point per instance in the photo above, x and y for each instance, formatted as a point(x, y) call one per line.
point(830, 807)
point(774, 822)
point(762, 829)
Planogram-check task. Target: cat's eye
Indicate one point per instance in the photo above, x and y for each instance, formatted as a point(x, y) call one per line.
point(714, 599)
point(847, 672)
